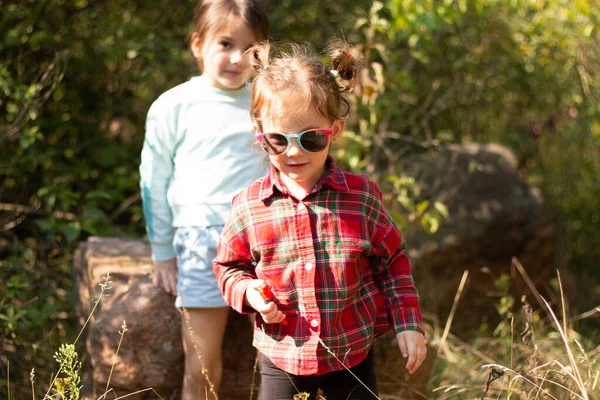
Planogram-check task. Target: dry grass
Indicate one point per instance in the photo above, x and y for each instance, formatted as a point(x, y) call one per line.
point(533, 357)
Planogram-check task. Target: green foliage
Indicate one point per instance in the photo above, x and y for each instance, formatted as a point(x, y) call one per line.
point(424, 214)
point(33, 308)
point(75, 85)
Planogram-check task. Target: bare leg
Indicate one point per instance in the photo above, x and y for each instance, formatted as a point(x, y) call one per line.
point(208, 325)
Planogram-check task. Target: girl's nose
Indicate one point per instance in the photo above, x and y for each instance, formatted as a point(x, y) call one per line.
point(236, 56)
point(294, 148)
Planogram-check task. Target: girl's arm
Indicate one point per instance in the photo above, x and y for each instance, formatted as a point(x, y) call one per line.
point(392, 273)
point(156, 170)
point(234, 265)
point(391, 267)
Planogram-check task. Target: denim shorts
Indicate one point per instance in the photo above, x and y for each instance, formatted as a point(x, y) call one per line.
point(196, 248)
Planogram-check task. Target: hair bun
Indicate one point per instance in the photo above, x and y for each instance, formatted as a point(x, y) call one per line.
point(258, 56)
point(346, 62)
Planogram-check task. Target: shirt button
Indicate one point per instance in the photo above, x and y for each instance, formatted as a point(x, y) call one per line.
point(308, 266)
point(314, 323)
point(301, 206)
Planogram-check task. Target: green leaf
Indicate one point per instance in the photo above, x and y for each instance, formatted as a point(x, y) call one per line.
point(422, 206)
point(430, 223)
point(98, 195)
point(72, 231)
point(441, 208)
point(406, 202)
point(93, 213)
point(46, 225)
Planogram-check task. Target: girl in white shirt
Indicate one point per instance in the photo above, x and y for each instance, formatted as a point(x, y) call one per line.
point(198, 152)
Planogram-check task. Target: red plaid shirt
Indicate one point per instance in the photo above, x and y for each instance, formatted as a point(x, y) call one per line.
point(335, 261)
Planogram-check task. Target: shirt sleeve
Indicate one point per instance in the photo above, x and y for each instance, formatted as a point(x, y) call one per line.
point(234, 265)
point(391, 268)
point(156, 170)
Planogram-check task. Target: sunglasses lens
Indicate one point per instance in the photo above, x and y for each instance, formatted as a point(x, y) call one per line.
point(314, 141)
point(274, 143)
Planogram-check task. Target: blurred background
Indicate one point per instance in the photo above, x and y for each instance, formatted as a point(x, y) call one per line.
point(78, 76)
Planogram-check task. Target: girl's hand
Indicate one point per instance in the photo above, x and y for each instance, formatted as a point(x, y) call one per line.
point(165, 272)
point(412, 345)
point(269, 311)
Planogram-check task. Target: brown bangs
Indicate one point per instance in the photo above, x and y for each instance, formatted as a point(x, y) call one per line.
point(296, 85)
point(210, 15)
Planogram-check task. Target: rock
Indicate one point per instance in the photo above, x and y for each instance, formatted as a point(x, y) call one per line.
point(151, 354)
point(493, 216)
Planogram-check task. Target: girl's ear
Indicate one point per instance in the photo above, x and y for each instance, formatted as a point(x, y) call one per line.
point(338, 128)
point(196, 46)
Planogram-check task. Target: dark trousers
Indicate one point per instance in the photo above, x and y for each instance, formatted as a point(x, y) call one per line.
point(277, 384)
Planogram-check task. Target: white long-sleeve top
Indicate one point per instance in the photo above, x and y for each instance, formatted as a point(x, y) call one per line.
point(199, 151)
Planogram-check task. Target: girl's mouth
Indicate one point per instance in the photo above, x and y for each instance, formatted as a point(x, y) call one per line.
point(296, 165)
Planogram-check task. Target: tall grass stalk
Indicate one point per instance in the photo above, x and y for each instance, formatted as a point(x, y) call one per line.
point(347, 369)
point(577, 375)
point(254, 371)
point(442, 345)
point(529, 283)
point(138, 392)
point(104, 287)
point(561, 330)
point(588, 314)
point(112, 366)
point(32, 379)
point(204, 371)
point(562, 302)
point(8, 379)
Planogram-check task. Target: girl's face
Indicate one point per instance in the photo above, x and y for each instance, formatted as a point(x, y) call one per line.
point(219, 54)
point(300, 169)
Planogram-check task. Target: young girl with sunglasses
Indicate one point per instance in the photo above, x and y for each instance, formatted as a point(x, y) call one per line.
point(319, 236)
point(198, 153)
